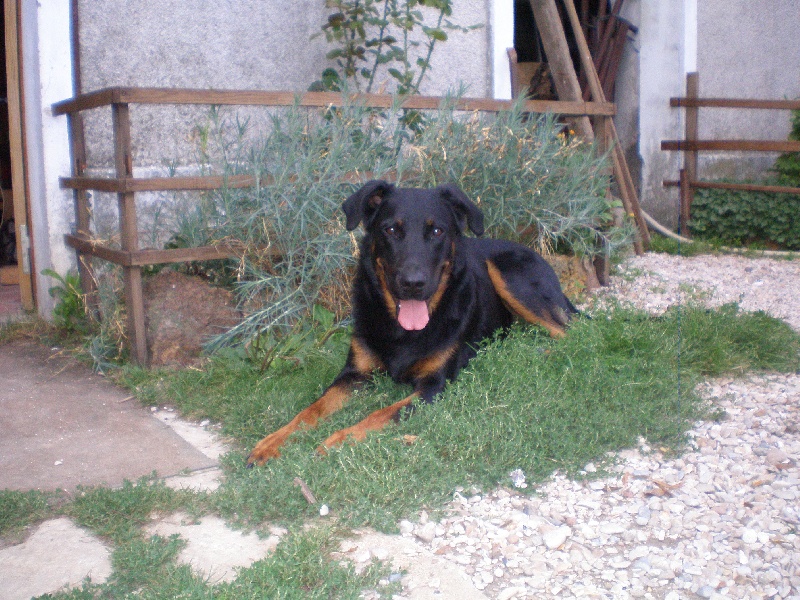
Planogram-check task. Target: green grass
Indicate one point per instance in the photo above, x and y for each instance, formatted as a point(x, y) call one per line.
point(525, 402)
point(20, 509)
point(706, 245)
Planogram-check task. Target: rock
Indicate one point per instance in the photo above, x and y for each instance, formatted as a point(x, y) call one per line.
point(181, 314)
point(556, 537)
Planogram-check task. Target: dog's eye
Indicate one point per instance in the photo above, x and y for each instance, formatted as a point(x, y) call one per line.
point(390, 230)
point(437, 231)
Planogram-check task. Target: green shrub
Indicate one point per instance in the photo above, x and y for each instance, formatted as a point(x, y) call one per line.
point(788, 165)
point(736, 217)
point(533, 183)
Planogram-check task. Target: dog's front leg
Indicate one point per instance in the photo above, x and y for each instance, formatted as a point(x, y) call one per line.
point(426, 390)
point(373, 422)
point(359, 366)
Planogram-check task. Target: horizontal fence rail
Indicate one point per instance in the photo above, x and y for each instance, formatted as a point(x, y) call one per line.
point(128, 95)
point(130, 257)
point(688, 176)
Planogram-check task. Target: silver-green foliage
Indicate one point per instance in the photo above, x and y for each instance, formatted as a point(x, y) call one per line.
point(533, 182)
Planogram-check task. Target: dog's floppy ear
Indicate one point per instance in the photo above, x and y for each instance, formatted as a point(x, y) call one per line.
point(362, 204)
point(464, 207)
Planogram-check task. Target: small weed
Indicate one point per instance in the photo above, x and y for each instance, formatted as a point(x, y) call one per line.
point(69, 313)
point(302, 567)
point(117, 514)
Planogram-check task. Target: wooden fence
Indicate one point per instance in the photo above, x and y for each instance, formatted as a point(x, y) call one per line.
point(688, 179)
point(129, 256)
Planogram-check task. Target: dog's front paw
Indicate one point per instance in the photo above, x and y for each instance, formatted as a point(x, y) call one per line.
point(355, 433)
point(266, 449)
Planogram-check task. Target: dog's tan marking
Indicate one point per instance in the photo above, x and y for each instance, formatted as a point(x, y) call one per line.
point(373, 422)
point(432, 364)
point(517, 307)
point(332, 400)
point(364, 360)
point(380, 271)
point(443, 282)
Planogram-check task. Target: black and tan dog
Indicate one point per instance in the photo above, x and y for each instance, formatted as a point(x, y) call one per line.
point(424, 297)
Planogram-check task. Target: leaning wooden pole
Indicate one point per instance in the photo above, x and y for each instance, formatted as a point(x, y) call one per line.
point(622, 173)
point(562, 70)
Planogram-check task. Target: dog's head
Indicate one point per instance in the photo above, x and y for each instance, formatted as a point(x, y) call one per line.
point(412, 235)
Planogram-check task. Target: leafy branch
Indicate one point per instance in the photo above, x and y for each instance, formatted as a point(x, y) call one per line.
point(373, 37)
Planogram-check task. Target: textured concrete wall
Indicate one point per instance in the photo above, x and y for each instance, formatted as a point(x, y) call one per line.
point(230, 44)
point(746, 49)
point(741, 48)
point(658, 50)
point(225, 44)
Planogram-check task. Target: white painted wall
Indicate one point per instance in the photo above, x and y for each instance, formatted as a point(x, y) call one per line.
point(502, 37)
point(47, 79)
point(661, 72)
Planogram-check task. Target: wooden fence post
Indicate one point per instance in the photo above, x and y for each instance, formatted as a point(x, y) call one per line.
point(689, 171)
point(82, 212)
point(132, 275)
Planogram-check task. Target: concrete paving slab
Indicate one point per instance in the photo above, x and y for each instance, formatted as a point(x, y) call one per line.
point(58, 555)
point(214, 550)
point(61, 426)
point(427, 576)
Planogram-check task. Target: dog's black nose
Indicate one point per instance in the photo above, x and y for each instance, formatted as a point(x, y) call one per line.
point(411, 283)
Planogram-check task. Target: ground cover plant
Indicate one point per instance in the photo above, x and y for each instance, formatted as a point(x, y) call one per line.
point(738, 217)
point(754, 218)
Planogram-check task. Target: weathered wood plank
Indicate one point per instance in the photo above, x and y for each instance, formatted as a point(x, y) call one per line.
point(735, 103)
point(110, 96)
point(731, 145)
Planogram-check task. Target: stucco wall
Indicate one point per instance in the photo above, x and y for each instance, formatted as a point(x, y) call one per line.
point(741, 49)
point(746, 49)
point(242, 44)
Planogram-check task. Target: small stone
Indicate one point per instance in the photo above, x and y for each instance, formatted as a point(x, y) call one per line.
point(556, 537)
point(380, 553)
point(749, 536)
point(512, 592)
point(324, 510)
point(427, 532)
point(643, 516)
point(706, 591)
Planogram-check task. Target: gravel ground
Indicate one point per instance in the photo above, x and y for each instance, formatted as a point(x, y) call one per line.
point(721, 521)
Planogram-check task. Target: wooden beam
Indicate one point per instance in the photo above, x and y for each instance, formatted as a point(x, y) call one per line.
point(117, 95)
point(735, 103)
point(93, 248)
point(731, 145)
point(554, 40)
point(747, 187)
point(140, 258)
point(17, 145)
point(129, 235)
point(623, 175)
point(687, 196)
point(125, 185)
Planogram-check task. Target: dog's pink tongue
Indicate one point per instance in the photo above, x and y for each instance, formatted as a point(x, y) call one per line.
point(412, 314)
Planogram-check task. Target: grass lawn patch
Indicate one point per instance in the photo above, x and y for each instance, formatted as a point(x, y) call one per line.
point(525, 402)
